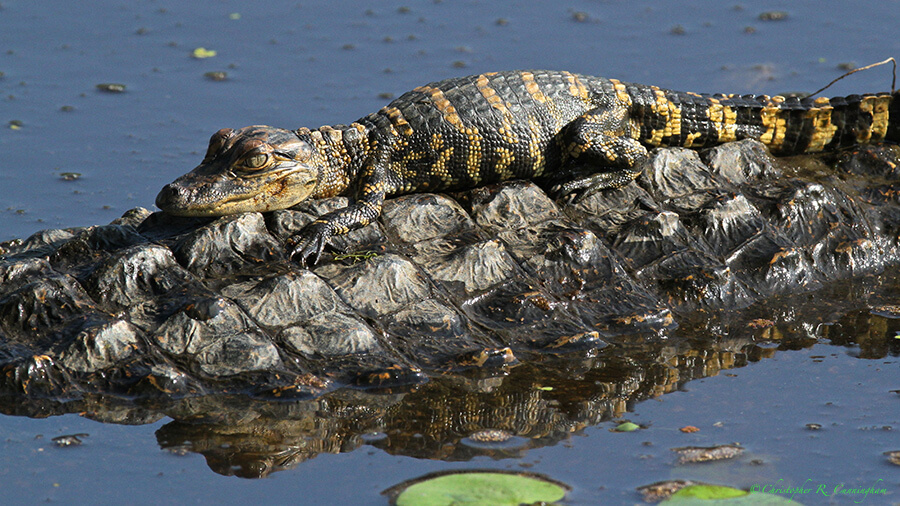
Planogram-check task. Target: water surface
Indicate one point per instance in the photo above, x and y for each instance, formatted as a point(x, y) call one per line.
point(293, 64)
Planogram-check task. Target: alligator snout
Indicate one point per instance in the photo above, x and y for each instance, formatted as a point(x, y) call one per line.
point(170, 196)
point(179, 199)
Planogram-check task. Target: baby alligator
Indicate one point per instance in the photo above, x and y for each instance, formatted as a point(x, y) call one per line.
point(469, 131)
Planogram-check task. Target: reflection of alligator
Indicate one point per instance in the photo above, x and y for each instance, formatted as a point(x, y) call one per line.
point(540, 402)
point(155, 305)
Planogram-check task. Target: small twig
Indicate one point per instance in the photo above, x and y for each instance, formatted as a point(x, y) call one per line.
point(358, 256)
point(867, 67)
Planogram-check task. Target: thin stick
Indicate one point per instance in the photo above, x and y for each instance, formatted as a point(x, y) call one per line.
point(867, 67)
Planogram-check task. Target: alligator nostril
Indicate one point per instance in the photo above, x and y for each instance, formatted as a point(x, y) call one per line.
point(168, 195)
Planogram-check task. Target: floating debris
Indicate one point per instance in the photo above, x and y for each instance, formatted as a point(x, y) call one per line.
point(69, 176)
point(111, 87)
point(15, 124)
point(773, 16)
point(696, 454)
point(662, 490)
point(216, 76)
point(893, 457)
point(581, 17)
point(69, 439)
point(689, 429)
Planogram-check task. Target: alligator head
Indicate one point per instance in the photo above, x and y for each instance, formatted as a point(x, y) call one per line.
point(256, 168)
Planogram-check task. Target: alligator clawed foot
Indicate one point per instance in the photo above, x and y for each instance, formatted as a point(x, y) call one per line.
point(309, 243)
point(581, 188)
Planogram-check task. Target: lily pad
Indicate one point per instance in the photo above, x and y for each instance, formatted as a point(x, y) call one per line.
point(202, 52)
point(627, 427)
point(476, 488)
point(707, 495)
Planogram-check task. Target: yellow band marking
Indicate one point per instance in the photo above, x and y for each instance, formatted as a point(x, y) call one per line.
point(532, 88)
point(621, 92)
point(823, 128)
point(441, 167)
point(724, 119)
point(507, 158)
point(473, 160)
point(576, 88)
point(443, 105)
point(398, 121)
point(534, 146)
point(490, 94)
point(877, 107)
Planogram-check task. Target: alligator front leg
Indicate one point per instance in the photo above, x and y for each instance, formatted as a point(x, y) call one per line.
point(310, 242)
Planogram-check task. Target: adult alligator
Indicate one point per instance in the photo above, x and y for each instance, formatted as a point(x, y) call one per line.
point(155, 304)
point(465, 132)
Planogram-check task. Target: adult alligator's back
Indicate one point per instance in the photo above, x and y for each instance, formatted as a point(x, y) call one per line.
point(464, 132)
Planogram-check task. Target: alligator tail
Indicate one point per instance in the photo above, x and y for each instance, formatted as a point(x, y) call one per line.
point(893, 131)
point(790, 126)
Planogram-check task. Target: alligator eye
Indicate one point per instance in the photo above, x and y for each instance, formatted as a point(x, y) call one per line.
point(256, 161)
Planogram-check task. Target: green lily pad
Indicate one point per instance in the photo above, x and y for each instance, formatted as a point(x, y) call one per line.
point(708, 495)
point(202, 52)
point(477, 488)
point(627, 427)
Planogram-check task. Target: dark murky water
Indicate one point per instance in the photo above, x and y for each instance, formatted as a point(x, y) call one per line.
point(296, 64)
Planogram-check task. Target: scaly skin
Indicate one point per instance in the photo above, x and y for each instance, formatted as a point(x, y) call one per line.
point(465, 132)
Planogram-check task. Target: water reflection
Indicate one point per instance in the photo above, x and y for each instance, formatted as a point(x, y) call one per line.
point(539, 403)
